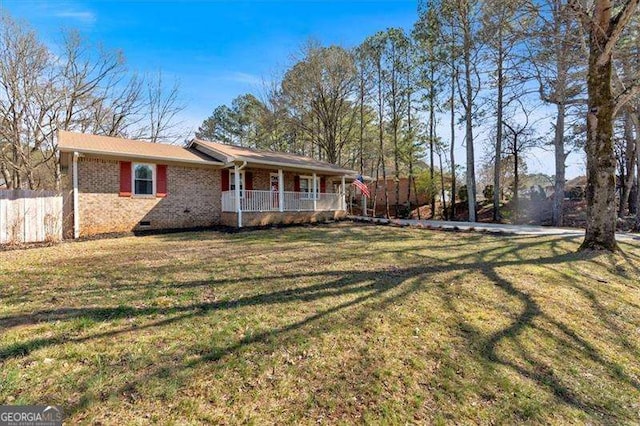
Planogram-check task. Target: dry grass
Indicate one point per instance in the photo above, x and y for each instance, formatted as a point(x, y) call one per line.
point(343, 323)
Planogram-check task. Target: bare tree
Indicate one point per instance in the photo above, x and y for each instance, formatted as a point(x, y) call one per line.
point(23, 63)
point(162, 109)
point(466, 17)
point(504, 25)
point(81, 88)
point(519, 139)
point(318, 89)
point(556, 58)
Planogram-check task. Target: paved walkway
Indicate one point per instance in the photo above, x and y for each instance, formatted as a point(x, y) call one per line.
point(493, 227)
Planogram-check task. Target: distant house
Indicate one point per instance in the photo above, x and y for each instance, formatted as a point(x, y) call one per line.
point(120, 185)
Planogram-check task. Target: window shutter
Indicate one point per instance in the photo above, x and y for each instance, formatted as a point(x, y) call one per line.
point(125, 178)
point(296, 183)
point(224, 175)
point(323, 185)
point(248, 177)
point(161, 180)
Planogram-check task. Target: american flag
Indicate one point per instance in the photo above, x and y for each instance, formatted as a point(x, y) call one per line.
point(359, 183)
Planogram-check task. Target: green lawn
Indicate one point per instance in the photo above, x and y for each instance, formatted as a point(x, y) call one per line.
point(325, 324)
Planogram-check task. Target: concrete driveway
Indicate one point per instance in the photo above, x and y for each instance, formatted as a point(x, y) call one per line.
point(493, 227)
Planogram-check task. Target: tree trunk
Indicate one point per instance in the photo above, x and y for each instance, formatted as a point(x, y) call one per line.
point(444, 200)
point(362, 94)
point(411, 145)
point(637, 206)
point(601, 161)
point(499, 113)
point(452, 212)
point(516, 183)
point(375, 189)
point(560, 158)
point(471, 171)
point(6, 175)
point(396, 148)
point(415, 192)
point(432, 136)
point(630, 157)
point(381, 140)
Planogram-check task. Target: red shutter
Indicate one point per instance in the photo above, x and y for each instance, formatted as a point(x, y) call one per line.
point(125, 178)
point(224, 179)
point(161, 180)
point(296, 183)
point(248, 177)
point(323, 185)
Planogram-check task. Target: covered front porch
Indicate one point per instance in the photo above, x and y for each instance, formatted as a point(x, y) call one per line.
point(283, 201)
point(253, 196)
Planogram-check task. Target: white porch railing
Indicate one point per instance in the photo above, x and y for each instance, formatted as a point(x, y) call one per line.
point(262, 201)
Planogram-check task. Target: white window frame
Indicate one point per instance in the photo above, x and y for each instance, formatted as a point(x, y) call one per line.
point(153, 179)
point(309, 195)
point(232, 182)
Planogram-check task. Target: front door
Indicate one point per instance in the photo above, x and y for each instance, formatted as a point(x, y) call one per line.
point(274, 184)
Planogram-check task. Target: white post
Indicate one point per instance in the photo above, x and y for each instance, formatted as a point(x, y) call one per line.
point(281, 190)
point(343, 199)
point(236, 182)
point(364, 205)
point(76, 207)
point(315, 193)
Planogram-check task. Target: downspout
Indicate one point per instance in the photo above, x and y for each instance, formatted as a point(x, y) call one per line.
point(236, 172)
point(76, 207)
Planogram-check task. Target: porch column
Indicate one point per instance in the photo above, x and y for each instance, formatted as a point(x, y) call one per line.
point(343, 200)
point(76, 207)
point(315, 192)
point(281, 190)
point(236, 182)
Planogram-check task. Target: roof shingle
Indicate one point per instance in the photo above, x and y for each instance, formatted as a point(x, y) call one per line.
point(229, 153)
point(106, 145)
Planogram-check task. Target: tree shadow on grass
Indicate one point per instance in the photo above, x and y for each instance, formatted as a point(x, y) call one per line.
point(535, 368)
point(368, 291)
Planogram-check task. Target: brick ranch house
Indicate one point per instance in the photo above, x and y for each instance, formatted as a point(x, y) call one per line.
point(121, 185)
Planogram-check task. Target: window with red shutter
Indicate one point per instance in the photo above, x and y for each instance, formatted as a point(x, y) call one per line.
point(296, 183)
point(323, 185)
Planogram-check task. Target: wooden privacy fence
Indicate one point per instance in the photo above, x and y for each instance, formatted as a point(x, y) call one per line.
point(30, 216)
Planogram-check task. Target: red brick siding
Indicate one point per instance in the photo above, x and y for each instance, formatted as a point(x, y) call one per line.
point(193, 199)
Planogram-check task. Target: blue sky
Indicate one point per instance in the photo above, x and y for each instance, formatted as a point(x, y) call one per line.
point(218, 50)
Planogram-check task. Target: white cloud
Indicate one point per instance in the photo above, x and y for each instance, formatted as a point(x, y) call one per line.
point(85, 17)
point(245, 78)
